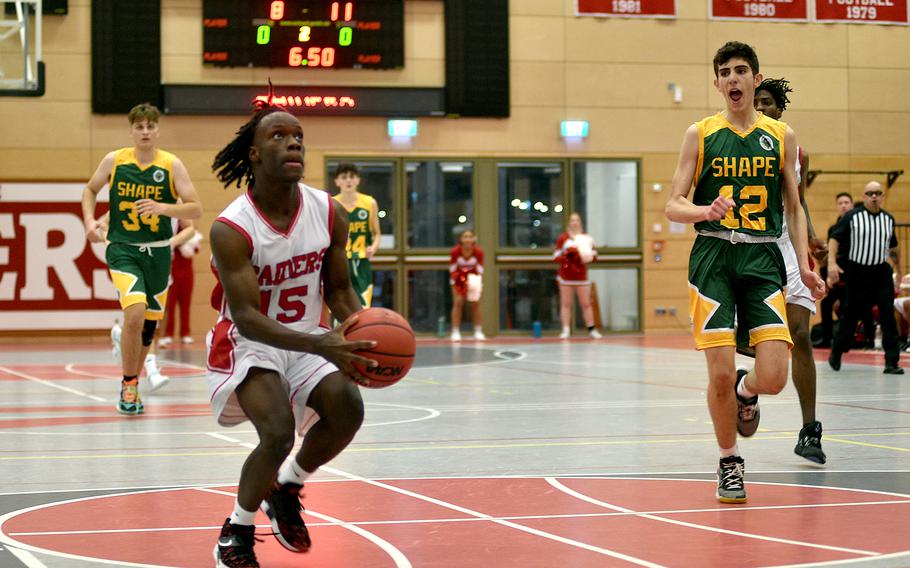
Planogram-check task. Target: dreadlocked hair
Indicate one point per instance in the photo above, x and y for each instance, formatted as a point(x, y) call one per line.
point(232, 164)
point(778, 88)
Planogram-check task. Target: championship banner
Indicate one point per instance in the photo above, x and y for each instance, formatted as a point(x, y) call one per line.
point(626, 8)
point(862, 11)
point(51, 277)
point(767, 10)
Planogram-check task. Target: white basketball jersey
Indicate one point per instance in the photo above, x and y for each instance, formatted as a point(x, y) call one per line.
point(288, 263)
point(785, 234)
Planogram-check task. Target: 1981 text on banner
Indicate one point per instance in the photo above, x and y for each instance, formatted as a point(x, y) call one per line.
point(627, 8)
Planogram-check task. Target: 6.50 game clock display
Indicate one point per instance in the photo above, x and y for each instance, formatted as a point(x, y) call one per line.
point(321, 34)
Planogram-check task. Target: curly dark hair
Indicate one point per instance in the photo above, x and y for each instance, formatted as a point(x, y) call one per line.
point(777, 88)
point(232, 164)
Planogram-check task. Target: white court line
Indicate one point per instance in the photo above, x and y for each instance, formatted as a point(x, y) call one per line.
point(484, 516)
point(222, 437)
point(555, 483)
point(71, 368)
point(52, 384)
point(401, 561)
point(479, 515)
point(26, 558)
point(854, 561)
point(497, 354)
point(9, 542)
point(335, 522)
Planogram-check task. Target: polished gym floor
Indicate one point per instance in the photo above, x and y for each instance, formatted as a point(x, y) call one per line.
point(509, 453)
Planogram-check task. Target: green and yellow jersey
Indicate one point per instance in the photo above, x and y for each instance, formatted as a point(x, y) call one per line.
point(360, 235)
point(746, 167)
point(131, 182)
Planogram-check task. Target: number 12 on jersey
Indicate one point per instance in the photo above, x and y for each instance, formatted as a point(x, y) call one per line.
point(742, 217)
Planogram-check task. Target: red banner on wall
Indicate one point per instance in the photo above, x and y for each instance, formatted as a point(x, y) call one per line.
point(50, 276)
point(862, 11)
point(627, 8)
point(770, 10)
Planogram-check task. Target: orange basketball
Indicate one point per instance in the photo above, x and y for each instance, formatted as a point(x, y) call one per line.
point(395, 345)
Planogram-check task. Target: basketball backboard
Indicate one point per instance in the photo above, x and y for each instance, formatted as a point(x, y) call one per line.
point(21, 67)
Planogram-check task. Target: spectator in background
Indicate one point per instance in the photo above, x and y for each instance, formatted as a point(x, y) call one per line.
point(465, 272)
point(574, 250)
point(861, 245)
point(835, 293)
point(180, 295)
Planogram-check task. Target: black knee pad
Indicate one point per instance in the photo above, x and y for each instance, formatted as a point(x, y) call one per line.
point(148, 332)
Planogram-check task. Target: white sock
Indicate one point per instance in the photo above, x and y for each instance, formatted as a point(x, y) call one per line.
point(741, 389)
point(565, 329)
point(291, 472)
point(734, 451)
point(478, 328)
point(241, 516)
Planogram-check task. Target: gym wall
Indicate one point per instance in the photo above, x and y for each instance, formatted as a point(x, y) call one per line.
point(849, 109)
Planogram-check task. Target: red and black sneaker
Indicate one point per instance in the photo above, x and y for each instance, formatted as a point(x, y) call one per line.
point(235, 546)
point(282, 506)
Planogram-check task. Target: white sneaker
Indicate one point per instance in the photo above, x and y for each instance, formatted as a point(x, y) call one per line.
point(565, 334)
point(116, 331)
point(187, 340)
point(165, 342)
point(595, 334)
point(156, 379)
point(479, 336)
point(456, 335)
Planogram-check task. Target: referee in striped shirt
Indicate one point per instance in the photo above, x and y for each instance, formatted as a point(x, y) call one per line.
point(859, 248)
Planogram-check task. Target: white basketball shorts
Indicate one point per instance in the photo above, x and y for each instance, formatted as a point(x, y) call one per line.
point(230, 358)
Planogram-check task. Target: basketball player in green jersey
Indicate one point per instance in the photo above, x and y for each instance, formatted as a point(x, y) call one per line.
point(363, 231)
point(148, 186)
point(743, 166)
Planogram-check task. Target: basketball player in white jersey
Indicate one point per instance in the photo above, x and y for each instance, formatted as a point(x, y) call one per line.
point(771, 100)
point(269, 361)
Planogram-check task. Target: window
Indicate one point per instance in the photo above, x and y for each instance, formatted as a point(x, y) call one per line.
point(429, 300)
point(605, 193)
point(614, 299)
point(526, 296)
point(530, 204)
point(440, 202)
point(383, 289)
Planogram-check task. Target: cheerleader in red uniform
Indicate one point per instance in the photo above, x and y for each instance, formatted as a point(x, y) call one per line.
point(465, 270)
point(180, 293)
point(574, 250)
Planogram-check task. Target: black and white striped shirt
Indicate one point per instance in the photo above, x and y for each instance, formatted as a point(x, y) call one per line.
point(864, 237)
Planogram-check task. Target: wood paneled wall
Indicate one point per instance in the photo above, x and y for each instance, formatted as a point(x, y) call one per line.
point(849, 108)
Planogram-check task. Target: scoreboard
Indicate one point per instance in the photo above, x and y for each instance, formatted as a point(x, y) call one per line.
point(304, 34)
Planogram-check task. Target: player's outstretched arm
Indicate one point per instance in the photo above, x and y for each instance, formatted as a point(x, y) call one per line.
point(679, 209)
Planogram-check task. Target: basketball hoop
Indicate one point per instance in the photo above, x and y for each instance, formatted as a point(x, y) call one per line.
point(22, 28)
